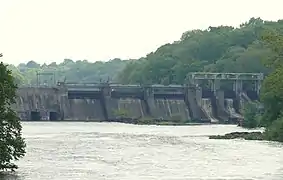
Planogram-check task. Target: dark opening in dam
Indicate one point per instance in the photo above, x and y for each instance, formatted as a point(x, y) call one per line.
point(134, 95)
point(207, 93)
point(229, 94)
point(84, 94)
point(53, 116)
point(170, 96)
point(253, 95)
point(35, 116)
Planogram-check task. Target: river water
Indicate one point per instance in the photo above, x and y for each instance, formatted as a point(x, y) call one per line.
point(102, 151)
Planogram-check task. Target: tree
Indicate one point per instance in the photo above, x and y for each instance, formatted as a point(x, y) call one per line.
point(216, 49)
point(79, 71)
point(272, 96)
point(12, 145)
point(271, 92)
point(250, 112)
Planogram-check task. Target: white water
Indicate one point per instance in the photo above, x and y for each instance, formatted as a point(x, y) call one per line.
point(113, 151)
point(207, 107)
point(229, 107)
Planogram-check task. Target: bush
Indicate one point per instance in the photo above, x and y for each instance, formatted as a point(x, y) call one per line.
point(251, 116)
point(177, 118)
point(121, 113)
point(147, 120)
point(275, 131)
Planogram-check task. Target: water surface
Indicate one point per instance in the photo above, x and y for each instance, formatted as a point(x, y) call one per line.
point(102, 151)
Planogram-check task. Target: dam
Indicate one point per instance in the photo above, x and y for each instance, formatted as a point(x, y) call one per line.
point(109, 101)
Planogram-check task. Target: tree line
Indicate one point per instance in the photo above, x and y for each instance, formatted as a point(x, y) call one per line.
point(81, 71)
point(256, 46)
point(215, 49)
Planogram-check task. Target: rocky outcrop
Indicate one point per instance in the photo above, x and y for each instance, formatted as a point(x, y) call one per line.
point(240, 135)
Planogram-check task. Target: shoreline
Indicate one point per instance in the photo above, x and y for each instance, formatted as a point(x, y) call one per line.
point(161, 123)
point(165, 123)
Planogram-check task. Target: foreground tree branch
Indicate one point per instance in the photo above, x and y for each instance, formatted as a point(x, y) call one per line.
point(12, 145)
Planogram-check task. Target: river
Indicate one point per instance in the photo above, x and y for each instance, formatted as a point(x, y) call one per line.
point(113, 151)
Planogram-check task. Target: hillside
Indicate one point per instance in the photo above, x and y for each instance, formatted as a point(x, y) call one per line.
point(216, 49)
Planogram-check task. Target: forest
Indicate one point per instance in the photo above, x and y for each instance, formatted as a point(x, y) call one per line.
point(216, 49)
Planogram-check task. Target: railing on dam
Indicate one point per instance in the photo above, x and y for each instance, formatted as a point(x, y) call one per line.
point(114, 90)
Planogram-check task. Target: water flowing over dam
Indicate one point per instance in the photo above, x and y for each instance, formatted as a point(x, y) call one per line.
point(169, 109)
point(207, 107)
point(47, 102)
point(231, 110)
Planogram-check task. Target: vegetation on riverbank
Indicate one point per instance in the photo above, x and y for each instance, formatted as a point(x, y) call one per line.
point(271, 96)
point(240, 135)
point(252, 114)
point(12, 145)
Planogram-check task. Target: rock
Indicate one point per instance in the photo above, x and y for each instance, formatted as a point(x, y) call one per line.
point(240, 135)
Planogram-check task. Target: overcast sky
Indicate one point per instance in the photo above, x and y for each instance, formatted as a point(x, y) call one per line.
point(51, 30)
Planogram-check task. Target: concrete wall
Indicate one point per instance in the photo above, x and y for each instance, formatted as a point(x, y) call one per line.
point(37, 99)
point(48, 100)
point(222, 114)
point(194, 102)
point(132, 108)
point(83, 109)
point(171, 109)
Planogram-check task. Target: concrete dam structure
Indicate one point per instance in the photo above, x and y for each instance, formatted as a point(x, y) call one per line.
point(106, 101)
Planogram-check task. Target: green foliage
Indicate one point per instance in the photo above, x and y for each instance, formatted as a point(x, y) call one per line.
point(147, 120)
point(12, 145)
point(79, 71)
point(250, 113)
point(272, 88)
point(272, 96)
point(216, 49)
point(274, 132)
point(122, 113)
point(177, 118)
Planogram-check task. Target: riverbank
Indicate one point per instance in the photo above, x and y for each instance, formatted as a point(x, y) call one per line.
point(161, 123)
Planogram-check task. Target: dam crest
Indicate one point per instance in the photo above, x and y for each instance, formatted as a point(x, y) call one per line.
point(195, 100)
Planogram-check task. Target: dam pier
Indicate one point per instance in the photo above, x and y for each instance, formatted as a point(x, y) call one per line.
point(207, 97)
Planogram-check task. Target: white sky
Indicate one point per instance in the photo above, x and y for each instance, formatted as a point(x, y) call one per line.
point(51, 30)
